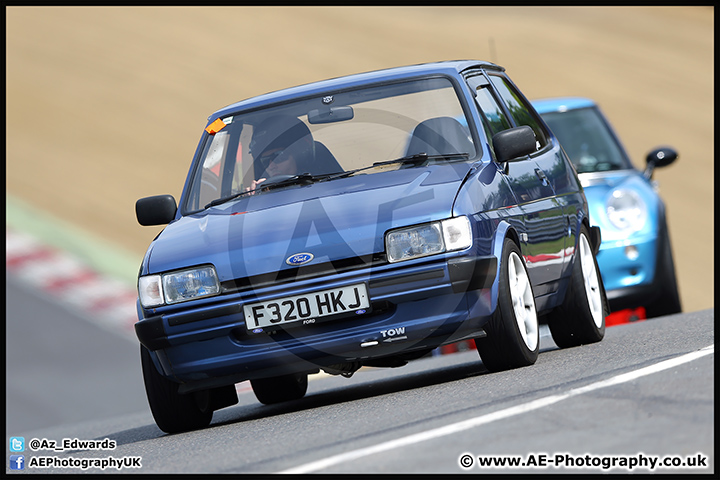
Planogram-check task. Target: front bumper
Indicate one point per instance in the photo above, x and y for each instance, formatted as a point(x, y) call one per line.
point(628, 272)
point(416, 305)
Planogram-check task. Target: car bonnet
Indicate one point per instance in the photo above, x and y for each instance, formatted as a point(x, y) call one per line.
point(330, 221)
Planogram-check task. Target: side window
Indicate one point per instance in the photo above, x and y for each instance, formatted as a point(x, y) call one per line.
point(491, 111)
point(221, 173)
point(519, 110)
point(492, 115)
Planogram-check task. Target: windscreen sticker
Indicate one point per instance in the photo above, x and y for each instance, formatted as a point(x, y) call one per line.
point(215, 127)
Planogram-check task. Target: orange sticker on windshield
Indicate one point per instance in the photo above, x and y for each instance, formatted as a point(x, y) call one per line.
point(215, 127)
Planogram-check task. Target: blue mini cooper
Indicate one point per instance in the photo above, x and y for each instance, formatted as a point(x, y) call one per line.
point(363, 221)
point(635, 258)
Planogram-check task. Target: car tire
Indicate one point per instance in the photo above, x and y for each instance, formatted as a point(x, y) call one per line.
point(580, 319)
point(513, 338)
point(668, 300)
point(173, 412)
point(280, 389)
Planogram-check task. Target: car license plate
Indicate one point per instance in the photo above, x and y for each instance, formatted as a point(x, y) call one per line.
point(307, 308)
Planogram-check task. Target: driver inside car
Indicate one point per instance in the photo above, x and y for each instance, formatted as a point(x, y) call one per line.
point(281, 145)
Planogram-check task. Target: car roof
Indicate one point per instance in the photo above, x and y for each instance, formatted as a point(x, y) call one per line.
point(451, 68)
point(561, 104)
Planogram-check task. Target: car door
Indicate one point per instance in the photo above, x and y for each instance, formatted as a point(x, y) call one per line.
point(543, 228)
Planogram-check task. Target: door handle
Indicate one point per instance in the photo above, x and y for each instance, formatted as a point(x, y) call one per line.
point(541, 175)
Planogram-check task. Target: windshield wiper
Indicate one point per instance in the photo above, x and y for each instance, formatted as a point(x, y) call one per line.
point(301, 179)
point(415, 159)
point(410, 159)
point(286, 180)
point(307, 179)
point(420, 158)
point(218, 201)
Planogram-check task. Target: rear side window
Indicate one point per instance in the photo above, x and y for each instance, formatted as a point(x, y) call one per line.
point(519, 110)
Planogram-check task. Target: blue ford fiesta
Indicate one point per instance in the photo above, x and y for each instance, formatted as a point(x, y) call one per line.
point(635, 257)
point(363, 221)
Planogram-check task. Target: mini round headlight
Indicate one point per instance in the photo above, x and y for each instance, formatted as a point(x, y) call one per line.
point(626, 210)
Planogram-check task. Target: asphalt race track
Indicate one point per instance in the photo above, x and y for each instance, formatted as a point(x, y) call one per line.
point(62, 367)
point(640, 393)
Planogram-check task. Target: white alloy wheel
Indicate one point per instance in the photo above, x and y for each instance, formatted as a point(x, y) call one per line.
point(580, 319)
point(591, 282)
point(522, 301)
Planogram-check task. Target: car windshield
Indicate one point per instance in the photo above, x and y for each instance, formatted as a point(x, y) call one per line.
point(339, 131)
point(587, 140)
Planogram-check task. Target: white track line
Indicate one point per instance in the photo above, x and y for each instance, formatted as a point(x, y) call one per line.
point(499, 415)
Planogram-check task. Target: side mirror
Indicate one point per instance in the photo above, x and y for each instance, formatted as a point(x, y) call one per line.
point(156, 210)
point(513, 143)
point(660, 157)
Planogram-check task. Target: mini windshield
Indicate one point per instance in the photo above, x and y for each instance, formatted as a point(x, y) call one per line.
point(332, 133)
point(587, 140)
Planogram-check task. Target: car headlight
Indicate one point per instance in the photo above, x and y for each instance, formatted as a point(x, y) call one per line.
point(428, 239)
point(180, 286)
point(626, 210)
point(150, 291)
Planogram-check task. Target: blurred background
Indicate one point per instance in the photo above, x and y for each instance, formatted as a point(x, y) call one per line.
point(106, 104)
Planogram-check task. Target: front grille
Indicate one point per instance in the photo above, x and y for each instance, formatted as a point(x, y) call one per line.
point(304, 272)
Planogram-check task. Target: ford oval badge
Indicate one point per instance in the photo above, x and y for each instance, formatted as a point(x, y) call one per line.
point(299, 259)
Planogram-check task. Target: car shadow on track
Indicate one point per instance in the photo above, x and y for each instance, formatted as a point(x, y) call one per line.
point(336, 395)
point(345, 393)
point(456, 367)
point(342, 393)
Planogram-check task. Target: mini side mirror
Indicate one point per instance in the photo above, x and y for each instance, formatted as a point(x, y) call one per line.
point(660, 157)
point(156, 210)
